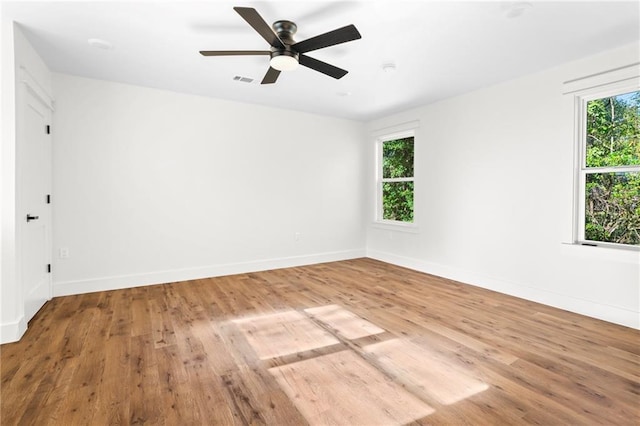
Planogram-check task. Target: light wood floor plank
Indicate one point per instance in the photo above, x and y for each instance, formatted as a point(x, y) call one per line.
point(303, 345)
point(344, 322)
point(325, 390)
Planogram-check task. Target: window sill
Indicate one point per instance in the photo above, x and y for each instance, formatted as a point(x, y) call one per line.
point(603, 252)
point(613, 246)
point(396, 226)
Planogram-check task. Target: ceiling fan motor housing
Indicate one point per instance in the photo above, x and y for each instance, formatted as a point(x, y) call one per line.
point(285, 31)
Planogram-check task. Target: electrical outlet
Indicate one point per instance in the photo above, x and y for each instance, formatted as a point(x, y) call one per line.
point(296, 236)
point(63, 252)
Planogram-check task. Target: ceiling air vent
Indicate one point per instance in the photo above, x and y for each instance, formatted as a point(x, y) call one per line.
point(243, 79)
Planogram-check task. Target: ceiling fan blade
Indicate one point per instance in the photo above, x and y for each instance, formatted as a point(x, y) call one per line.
point(341, 35)
point(271, 76)
point(233, 52)
point(254, 19)
point(322, 67)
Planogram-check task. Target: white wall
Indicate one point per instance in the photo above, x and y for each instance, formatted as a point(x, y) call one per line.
point(16, 54)
point(154, 186)
point(494, 185)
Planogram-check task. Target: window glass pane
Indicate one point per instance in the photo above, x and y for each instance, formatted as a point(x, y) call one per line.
point(397, 201)
point(397, 158)
point(612, 207)
point(613, 131)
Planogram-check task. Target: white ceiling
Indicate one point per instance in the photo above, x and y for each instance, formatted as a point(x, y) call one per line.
point(440, 48)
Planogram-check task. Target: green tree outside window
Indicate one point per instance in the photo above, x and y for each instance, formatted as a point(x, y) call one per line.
point(397, 180)
point(612, 197)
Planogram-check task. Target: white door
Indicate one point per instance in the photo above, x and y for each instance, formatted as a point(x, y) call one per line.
point(34, 213)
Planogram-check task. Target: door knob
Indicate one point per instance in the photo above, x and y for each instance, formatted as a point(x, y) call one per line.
point(30, 218)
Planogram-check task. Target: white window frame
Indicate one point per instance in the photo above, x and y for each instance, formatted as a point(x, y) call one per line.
point(581, 170)
point(380, 140)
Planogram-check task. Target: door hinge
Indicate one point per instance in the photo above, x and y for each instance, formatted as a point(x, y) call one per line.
point(48, 130)
point(48, 198)
point(49, 268)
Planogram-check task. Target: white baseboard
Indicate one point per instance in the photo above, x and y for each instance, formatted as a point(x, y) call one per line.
point(613, 314)
point(67, 288)
point(12, 331)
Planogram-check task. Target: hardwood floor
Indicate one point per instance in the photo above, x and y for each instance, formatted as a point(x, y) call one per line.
point(354, 342)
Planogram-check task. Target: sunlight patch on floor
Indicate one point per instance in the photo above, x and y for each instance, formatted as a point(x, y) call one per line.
point(388, 382)
point(424, 371)
point(283, 333)
point(342, 388)
point(345, 323)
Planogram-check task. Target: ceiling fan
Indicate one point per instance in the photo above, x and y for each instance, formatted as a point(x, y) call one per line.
point(285, 52)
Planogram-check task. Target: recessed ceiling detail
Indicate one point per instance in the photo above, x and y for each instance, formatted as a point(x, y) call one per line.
point(515, 9)
point(389, 67)
point(100, 44)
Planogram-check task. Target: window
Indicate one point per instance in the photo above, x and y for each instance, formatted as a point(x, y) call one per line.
point(608, 190)
point(396, 179)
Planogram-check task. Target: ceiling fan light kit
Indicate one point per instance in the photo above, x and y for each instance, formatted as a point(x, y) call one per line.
point(285, 53)
point(283, 61)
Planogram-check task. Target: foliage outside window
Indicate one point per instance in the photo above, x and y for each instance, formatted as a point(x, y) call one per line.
point(610, 169)
point(396, 180)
